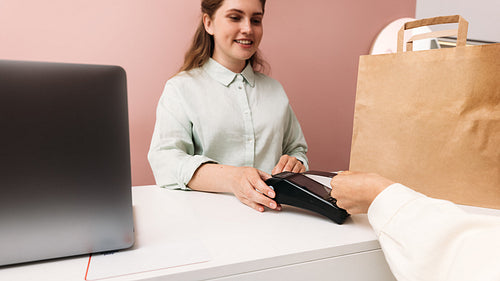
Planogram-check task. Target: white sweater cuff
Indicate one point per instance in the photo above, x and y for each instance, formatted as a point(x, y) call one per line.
point(386, 205)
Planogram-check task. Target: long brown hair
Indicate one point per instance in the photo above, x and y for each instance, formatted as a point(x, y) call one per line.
point(202, 46)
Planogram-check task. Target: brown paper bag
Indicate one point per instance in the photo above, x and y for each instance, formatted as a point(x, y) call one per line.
point(431, 119)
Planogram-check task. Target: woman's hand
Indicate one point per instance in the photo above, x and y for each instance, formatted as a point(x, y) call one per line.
point(288, 163)
point(355, 191)
point(249, 187)
point(246, 183)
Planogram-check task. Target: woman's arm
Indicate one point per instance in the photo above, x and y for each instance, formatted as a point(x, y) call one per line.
point(246, 183)
point(294, 157)
point(171, 154)
point(174, 164)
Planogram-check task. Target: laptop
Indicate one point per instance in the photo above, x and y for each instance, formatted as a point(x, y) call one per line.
point(65, 184)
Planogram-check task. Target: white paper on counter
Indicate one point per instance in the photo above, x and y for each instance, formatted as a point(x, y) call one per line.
point(144, 259)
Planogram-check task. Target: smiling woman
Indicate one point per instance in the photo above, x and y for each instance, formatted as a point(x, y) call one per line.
point(221, 125)
point(237, 29)
point(202, 47)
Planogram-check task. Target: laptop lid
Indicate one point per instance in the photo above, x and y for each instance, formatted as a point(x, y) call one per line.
point(65, 184)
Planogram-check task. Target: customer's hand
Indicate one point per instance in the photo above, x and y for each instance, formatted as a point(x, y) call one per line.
point(356, 191)
point(249, 187)
point(288, 163)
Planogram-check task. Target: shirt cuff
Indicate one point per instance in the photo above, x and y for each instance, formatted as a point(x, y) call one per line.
point(387, 204)
point(187, 170)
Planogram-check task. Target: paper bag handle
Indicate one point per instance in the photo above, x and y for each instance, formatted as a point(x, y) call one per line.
point(461, 32)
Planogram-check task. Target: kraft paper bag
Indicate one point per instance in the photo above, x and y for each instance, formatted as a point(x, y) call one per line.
point(431, 119)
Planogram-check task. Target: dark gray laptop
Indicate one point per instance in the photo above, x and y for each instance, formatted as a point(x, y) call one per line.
point(65, 184)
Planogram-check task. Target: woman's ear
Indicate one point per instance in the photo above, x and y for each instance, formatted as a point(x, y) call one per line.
point(207, 22)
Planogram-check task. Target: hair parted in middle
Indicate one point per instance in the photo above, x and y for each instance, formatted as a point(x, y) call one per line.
point(202, 45)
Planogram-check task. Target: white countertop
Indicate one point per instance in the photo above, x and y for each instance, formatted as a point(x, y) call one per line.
point(225, 239)
point(236, 238)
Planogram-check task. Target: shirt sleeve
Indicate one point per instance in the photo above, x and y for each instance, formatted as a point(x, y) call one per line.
point(171, 153)
point(430, 239)
point(294, 142)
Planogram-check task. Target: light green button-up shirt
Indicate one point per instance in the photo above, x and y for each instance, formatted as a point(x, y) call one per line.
point(211, 114)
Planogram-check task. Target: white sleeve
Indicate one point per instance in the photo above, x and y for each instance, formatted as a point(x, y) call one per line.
point(294, 142)
point(430, 239)
point(171, 154)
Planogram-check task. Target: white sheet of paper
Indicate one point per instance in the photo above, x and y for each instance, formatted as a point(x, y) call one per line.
point(321, 179)
point(144, 259)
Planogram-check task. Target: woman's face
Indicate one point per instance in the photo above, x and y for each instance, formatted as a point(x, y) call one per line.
point(237, 30)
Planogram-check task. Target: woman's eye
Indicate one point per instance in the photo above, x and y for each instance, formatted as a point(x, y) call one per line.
point(257, 21)
point(234, 18)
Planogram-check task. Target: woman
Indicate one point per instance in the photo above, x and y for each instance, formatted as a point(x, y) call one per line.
point(221, 126)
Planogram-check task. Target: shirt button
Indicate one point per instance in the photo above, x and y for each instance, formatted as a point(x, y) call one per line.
point(239, 87)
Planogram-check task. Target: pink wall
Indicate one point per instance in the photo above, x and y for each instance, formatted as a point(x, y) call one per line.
point(313, 48)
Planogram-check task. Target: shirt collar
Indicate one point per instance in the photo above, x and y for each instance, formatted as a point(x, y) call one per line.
point(226, 76)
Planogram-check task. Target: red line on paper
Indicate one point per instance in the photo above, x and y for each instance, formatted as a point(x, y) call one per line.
point(88, 266)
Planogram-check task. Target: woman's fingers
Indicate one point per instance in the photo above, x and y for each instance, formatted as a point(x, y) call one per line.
point(289, 164)
point(280, 166)
point(299, 167)
point(257, 200)
point(253, 205)
point(254, 192)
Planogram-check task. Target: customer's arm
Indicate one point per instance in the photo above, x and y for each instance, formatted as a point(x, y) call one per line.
point(424, 238)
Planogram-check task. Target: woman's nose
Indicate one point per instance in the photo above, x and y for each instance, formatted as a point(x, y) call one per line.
point(246, 27)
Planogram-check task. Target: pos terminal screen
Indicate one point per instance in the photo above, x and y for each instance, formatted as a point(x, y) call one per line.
point(311, 185)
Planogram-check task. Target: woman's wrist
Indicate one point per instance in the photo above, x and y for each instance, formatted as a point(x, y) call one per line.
point(213, 177)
